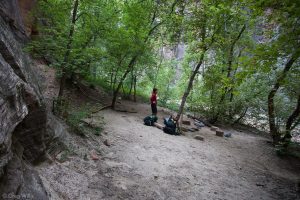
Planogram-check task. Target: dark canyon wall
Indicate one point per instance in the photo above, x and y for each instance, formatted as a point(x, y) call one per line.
point(24, 122)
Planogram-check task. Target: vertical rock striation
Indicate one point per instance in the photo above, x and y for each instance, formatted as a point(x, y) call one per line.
point(23, 115)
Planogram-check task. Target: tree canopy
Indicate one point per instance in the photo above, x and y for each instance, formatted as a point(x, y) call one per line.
point(233, 61)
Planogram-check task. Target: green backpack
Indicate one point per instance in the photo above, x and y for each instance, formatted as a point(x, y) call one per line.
point(150, 120)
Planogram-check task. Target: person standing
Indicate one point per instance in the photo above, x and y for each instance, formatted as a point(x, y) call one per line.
point(153, 100)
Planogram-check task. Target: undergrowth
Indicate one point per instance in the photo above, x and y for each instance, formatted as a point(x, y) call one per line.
point(77, 116)
point(291, 149)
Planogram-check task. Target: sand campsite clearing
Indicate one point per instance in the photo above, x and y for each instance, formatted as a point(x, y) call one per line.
point(141, 162)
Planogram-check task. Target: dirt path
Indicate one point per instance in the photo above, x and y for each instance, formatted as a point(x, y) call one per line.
point(145, 163)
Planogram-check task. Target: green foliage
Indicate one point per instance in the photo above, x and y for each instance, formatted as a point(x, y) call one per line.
point(75, 121)
point(60, 107)
point(54, 42)
point(245, 46)
point(288, 148)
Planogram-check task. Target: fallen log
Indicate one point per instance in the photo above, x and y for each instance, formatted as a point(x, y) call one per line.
point(102, 108)
point(206, 123)
point(157, 125)
point(126, 111)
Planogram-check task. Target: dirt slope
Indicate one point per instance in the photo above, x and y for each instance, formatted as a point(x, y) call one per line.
point(145, 163)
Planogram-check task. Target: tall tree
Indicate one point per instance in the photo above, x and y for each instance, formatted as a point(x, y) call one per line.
point(68, 48)
point(205, 21)
point(281, 51)
point(142, 19)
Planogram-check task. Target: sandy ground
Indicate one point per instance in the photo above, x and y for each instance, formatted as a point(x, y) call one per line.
point(144, 163)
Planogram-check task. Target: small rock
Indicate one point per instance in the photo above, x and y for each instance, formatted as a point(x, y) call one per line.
point(107, 143)
point(156, 177)
point(198, 137)
point(140, 159)
point(85, 157)
point(260, 185)
point(227, 134)
point(94, 155)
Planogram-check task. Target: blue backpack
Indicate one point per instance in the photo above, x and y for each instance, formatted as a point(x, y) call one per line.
point(170, 127)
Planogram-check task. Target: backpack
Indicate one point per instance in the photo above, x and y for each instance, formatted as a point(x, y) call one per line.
point(169, 130)
point(169, 123)
point(150, 120)
point(170, 127)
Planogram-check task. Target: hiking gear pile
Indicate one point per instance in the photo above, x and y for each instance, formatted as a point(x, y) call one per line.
point(170, 124)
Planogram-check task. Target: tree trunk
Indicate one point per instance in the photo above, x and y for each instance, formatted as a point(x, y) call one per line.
point(131, 85)
point(134, 88)
point(241, 116)
point(67, 54)
point(158, 67)
point(116, 91)
point(111, 79)
point(271, 107)
point(229, 70)
point(123, 89)
point(190, 86)
point(292, 118)
point(115, 79)
point(133, 60)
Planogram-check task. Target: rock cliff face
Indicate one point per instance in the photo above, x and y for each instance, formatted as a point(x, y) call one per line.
point(24, 123)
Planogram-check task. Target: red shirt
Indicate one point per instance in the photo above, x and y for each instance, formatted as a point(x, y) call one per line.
point(153, 98)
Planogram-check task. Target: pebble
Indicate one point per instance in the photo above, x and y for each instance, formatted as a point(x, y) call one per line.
point(107, 143)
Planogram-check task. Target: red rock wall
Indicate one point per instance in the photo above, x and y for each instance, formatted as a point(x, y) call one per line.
point(17, 14)
point(26, 7)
